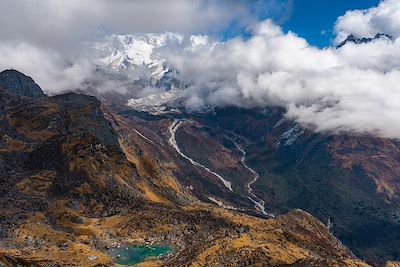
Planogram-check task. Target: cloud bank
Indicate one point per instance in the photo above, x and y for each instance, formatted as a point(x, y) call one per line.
point(353, 89)
point(63, 24)
point(385, 18)
point(42, 38)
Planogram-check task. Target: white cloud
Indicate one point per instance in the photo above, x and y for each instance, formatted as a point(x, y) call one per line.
point(65, 24)
point(354, 88)
point(367, 23)
point(43, 37)
point(46, 67)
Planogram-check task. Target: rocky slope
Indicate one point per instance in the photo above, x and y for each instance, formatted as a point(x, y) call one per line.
point(77, 179)
point(348, 182)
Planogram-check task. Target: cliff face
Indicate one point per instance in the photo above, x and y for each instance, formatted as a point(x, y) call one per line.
point(77, 179)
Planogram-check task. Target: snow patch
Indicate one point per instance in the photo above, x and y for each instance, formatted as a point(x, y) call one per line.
point(221, 204)
point(156, 104)
point(279, 123)
point(289, 137)
point(141, 135)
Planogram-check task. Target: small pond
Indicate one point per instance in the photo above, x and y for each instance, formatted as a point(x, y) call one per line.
point(130, 255)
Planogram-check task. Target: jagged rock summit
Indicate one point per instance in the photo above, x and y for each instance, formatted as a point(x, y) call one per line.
point(353, 39)
point(20, 84)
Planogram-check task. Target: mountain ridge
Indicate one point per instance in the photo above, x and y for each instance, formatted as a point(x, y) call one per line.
point(77, 180)
point(20, 84)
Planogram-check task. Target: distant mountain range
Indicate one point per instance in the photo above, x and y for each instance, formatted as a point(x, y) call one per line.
point(137, 60)
point(226, 186)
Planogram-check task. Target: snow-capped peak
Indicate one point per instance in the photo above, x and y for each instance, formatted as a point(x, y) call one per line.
point(139, 57)
point(128, 52)
point(141, 51)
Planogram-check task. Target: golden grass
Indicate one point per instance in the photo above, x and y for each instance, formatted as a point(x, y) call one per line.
point(12, 145)
point(392, 264)
point(148, 169)
point(84, 189)
point(37, 184)
point(151, 195)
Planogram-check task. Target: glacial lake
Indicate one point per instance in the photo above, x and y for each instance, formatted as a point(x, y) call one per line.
point(131, 255)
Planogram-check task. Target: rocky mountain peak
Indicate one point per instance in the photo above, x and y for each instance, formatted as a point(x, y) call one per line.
point(353, 39)
point(20, 84)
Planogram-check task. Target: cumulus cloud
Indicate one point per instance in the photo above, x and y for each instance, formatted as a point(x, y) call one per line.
point(48, 68)
point(354, 88)
point(367, 23)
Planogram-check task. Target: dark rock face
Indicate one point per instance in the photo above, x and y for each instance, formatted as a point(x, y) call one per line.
point(20, 84)
point(84, 115)
point(352, 39)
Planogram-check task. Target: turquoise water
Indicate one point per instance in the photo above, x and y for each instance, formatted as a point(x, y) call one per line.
point(130, 255)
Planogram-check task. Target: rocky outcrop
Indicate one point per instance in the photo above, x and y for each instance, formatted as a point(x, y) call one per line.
point(20, 84)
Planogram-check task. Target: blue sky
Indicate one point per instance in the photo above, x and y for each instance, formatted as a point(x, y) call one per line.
point(313, 20)
point(310, 17)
